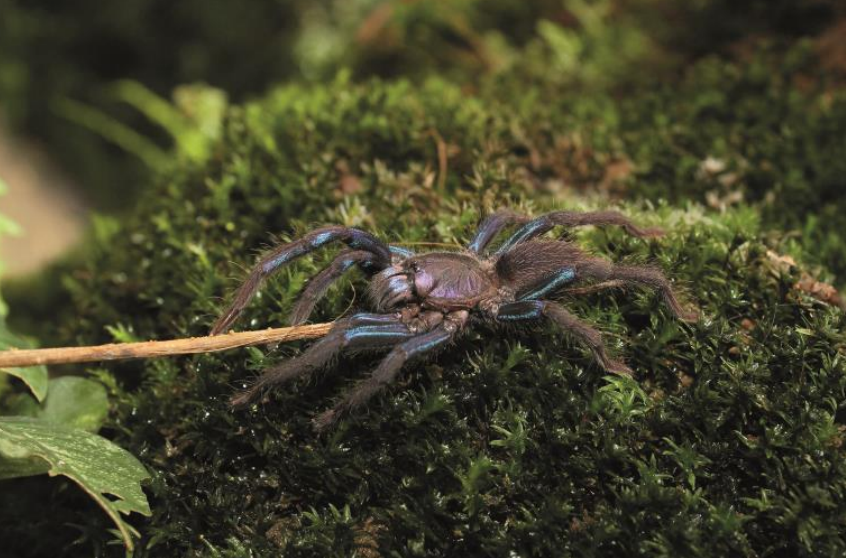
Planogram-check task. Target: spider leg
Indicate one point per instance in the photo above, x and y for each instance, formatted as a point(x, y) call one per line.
point(617, 275)
point(491, 226)
point(321, 282)
point(550, 284)
point(281, 255)
point(387, 372)
point(361, 332)
point(545, 223)
point(537, 309)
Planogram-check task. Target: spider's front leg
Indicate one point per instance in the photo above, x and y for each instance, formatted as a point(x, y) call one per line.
point(536, 309)
point(362, 332)
point(391, 366)
point(354, 238)
point(617, 275)
point(320, 283)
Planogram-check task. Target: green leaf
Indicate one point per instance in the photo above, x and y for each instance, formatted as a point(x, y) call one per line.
point(35, 377)
point(108, 473)
point(76, 402)
point(11, 468)
point(20, 404)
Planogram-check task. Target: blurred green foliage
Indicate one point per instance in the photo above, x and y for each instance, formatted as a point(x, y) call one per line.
point(59, 60)
point(54, 52)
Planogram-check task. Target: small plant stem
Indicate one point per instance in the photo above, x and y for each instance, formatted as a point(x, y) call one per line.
point(150, 349)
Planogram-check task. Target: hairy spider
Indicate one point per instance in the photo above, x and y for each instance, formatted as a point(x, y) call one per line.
point(424, 300)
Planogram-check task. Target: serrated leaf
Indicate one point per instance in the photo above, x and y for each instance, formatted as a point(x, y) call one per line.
point(108, 473)
point(76, 402)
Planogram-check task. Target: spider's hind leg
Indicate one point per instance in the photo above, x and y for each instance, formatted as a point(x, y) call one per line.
point(615, 275)
point(362, 332)
point(548, 285)
point(320, 283)
point(537, 309)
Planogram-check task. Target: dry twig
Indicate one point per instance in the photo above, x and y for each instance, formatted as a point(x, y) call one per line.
point(150, 349)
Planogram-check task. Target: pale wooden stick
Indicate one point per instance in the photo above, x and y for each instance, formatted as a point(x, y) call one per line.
point(16, 358)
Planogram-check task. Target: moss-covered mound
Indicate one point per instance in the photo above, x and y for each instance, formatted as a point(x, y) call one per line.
point(768, 132)
point(510, 442)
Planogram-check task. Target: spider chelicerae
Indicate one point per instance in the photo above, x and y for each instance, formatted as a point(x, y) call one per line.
point(423, 301)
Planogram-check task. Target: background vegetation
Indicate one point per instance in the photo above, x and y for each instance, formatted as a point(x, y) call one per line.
point(411, 119)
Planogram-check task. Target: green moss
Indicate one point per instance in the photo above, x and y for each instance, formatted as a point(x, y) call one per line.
point(749, 132)
point(766, 131)
point(509, 442)
point(728, 443)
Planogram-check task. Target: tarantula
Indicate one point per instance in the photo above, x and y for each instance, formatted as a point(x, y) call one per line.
point(424, 300)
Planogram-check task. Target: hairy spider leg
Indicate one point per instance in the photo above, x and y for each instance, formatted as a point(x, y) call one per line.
point(536, 309)
point(548, 285)
point(602, 270)
point(385, 373)
point(320, 283)
point(281, 255)
point(361, 332)
point(491, 226)
point(546, 223)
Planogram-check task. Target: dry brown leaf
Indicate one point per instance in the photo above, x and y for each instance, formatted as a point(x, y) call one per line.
point(819, 290)
point(807, 283)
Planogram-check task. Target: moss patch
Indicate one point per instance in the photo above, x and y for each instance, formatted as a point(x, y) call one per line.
point(510, 441)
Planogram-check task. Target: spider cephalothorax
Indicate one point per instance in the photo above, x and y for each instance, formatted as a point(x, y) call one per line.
point(424, 300)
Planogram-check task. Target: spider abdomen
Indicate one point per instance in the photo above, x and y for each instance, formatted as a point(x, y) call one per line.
point(531, 262)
